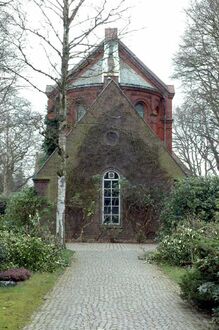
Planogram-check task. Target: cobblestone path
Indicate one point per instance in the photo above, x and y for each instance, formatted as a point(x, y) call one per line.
point(108, 288)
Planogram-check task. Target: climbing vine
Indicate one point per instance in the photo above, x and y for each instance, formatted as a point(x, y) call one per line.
point(136, 161)
point(50, 142)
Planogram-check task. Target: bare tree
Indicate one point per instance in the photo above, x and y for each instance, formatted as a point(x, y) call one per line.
point(197, 66)
point(68, 32)
point(16, 119)
point(190, 140)
point(9, 60)
point(17, 139)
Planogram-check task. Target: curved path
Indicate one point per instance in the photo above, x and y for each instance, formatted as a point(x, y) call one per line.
point(108, 288)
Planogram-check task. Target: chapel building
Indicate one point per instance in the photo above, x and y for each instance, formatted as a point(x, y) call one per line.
point(120, 139)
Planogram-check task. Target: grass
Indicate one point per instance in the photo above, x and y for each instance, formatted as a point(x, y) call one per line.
point(18, 303)
point(173, 272)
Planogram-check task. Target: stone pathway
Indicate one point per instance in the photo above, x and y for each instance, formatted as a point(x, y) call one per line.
point(108, 288)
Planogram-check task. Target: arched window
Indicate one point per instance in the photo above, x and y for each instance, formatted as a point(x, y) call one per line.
point(80, 111)
point(111, 198)
point(139, 107)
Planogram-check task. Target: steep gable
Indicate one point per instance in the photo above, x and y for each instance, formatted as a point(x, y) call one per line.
point(112, 104)
point(131, 70)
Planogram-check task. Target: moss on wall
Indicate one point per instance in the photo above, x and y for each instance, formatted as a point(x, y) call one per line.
point(134, 159)
point(110, 136)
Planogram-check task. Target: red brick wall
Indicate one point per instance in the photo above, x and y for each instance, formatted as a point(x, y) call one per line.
point(157, 108)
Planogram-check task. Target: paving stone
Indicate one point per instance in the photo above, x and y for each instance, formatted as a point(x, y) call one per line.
point(109, 288)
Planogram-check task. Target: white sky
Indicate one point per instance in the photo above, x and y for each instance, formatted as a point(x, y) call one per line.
point(159, 24)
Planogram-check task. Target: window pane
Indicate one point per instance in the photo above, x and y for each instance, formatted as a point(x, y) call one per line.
point(107, 210)
point(107, 201)
point(115, 210)
point(115, 184)
point(115, 201)
point(80, 111)
point(139, 107)
point(115, 219)
point(107, 184)
point(115, 193)
point(116, 176)
point(106, 219)
point(107, 192)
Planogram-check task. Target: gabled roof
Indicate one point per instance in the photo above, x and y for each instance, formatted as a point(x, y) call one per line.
point(103, 105)
point(128, 75)
point(153, 77)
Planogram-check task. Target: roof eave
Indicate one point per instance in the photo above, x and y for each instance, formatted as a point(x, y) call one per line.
point(161, 85)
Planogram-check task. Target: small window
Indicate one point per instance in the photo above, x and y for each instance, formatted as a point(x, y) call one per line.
point(139, 107)
point(80, 111)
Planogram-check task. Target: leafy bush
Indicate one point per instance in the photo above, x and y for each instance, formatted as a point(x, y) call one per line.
point(16, 275)
point(3, 204)
point(25, 210)
point(191, 198)
point(201, 284)
point(187, 244)
point(30, 252)
point(3, 253)
point(179, 248)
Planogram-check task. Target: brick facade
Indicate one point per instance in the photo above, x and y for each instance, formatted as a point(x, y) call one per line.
point(112, 136)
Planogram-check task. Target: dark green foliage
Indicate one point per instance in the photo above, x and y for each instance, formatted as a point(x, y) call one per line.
point(199, 248)
point(3, 253)
point(201, 284)
point(193, 198)
point(30, 252)
point(3, 204)
point(50, 142)
point(190, 235)
point(25, 210)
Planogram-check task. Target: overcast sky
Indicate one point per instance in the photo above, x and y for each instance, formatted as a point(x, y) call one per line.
point(159, 24)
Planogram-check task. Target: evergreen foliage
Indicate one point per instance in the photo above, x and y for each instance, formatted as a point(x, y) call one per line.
point(26, 211)
point(50, 142)
point(191, 198)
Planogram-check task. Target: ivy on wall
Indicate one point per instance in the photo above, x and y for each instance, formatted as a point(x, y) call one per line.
point(50, 142)
point(134, 159)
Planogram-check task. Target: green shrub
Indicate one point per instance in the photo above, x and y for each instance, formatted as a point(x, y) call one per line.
point(3, 253)
point(186, 244)
point(201, 284)
point(179, 248)
point(30, 252)
point(191, 198)
point(202, 288)
point(3, 204)
point(25, 211)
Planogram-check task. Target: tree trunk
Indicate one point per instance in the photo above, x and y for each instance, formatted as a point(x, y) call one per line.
point(60, 212)
point(7, 182)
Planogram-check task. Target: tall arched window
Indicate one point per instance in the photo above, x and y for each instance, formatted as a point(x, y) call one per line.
point(139, 107)
point(111, 198)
